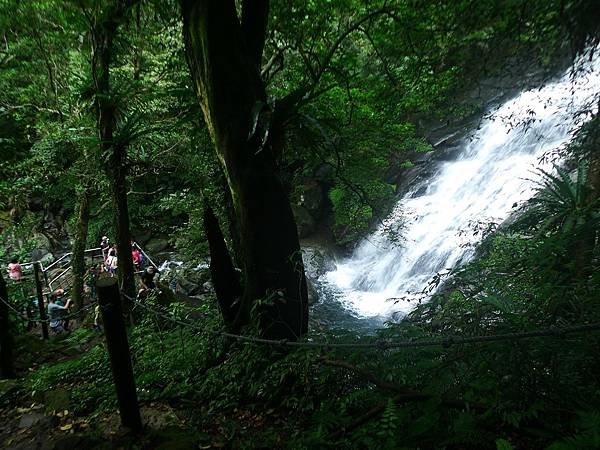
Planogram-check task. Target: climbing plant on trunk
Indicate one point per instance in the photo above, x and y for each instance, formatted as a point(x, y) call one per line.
point(115, 151)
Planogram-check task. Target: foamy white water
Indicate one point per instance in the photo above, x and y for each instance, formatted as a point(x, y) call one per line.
point(492, 172)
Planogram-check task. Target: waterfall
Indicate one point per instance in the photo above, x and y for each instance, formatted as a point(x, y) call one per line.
point(493, 171)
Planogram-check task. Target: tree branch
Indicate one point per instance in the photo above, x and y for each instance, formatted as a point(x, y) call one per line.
point(287, 106)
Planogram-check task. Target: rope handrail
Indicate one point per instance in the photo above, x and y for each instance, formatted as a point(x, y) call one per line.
point(384, 344)
point(381, 344)
point(28, 319)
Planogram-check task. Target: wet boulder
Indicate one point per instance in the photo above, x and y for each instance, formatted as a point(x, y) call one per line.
point(317, 261)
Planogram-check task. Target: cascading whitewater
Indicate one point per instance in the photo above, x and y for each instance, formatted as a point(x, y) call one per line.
point(493, 171)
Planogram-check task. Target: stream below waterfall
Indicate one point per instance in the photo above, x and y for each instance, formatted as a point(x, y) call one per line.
point(494, 171)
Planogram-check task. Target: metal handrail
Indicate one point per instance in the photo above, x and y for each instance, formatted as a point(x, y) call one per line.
point(57, 261)
point(58, 276)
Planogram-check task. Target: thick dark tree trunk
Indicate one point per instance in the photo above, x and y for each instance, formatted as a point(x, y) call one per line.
point(224, 67)
point(78, 259)
point(6, 339)
point(116, 153)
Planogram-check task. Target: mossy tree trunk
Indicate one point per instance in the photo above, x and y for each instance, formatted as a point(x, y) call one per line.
point(224, 56)
point(78, 258)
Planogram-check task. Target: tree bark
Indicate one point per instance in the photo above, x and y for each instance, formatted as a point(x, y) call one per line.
point(6, 339)
point(582, 251)
point(115, 167)
point(81, 234)
point(224, 276)
point(233, 101)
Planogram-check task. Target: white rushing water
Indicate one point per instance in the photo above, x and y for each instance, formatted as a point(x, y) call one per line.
point(492, 172)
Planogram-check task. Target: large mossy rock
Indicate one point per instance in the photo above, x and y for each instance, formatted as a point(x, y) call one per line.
point(156, 245)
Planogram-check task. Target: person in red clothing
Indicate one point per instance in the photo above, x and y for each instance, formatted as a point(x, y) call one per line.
point(137, 258)
point(15, 271)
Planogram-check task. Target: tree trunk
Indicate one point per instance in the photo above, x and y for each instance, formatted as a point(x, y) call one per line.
point(6, 339)
point(582, 251)
point(233, 100)
point(225, 278)
point(81, 234)
point(115, 153)
point(119, 194)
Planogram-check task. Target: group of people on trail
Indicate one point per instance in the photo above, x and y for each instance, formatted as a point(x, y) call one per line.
point(58, 305)
point(109, 254)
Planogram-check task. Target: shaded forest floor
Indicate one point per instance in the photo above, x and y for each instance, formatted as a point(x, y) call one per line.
point(198, 389)
point(54, 418)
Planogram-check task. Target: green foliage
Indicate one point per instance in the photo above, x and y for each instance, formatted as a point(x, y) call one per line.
point(353, 215)
point(563, 204)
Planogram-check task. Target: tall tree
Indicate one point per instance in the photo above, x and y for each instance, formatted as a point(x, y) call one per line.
point(224, 55)
point(103, 33)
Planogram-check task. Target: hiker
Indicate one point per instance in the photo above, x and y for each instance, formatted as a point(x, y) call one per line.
point(104, 247)
point(137, 258)
point(56, 312)
point(15, 271)
point(97, 326)
point(147, 280)
point(110, 262)
point(60, 301)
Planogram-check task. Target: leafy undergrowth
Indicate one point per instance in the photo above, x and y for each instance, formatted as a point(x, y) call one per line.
point(197, 390)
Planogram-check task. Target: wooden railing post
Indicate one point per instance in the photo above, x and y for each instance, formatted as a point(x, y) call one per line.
point(6, 339)
point(109, 300)
point(40, 299)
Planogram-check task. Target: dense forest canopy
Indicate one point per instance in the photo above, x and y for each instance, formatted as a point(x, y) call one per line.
point(238, 138)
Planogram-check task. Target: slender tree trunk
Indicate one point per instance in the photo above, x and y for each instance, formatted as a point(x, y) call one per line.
point(115, 167)
point(6, 339)
point(224, 68)
point(224, 276)
point(590, 234)
point(81, 234)
point(119, 194)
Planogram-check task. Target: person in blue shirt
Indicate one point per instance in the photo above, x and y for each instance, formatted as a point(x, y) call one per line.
point(56, 311)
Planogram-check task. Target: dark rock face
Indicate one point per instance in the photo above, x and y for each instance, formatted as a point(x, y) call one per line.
point(304, 221)
point(312, 199)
